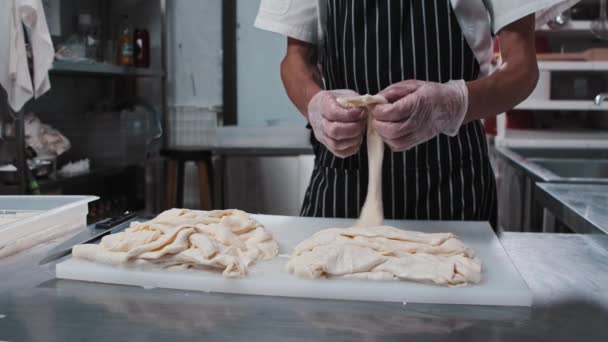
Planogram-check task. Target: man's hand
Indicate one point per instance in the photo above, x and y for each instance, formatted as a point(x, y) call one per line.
point(340, 129)
point(419, 111)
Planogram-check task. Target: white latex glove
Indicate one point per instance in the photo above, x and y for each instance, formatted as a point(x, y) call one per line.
point(340, 129)
point(419, 111)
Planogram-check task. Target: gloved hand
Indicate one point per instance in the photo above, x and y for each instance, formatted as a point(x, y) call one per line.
point(340, 129)
point(419, 111)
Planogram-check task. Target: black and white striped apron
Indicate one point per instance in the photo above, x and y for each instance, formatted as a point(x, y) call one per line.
point(369, 45)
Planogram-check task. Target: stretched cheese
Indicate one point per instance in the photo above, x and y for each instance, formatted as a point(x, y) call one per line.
point(372, 213)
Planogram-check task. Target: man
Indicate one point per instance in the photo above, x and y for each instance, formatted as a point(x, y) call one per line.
point(430, 59)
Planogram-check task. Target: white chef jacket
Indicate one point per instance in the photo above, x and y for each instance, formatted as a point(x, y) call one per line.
point(303, 19)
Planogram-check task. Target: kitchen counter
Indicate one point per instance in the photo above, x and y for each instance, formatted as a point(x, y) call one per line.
point(568, 275)
point(268, 153)
point(521, 169)
point(581, 207)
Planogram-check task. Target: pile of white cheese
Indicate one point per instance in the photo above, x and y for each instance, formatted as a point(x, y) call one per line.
point(386, 253)
point(226, 240)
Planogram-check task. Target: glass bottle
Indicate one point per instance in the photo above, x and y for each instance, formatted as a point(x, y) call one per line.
point(125, 43)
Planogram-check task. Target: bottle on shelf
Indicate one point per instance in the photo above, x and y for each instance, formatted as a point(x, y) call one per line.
point(125, 43)
point(142, 48)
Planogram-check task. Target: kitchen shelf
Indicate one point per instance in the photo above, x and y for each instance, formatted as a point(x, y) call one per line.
point(575, 26)
point(84, 69)
point(573, 66)
point(103, 72)
point(11, 189)
point(553, 139)
point(93, 175)
point(572, 105)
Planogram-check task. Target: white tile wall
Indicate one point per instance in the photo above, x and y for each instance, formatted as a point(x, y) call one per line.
point(268, 185)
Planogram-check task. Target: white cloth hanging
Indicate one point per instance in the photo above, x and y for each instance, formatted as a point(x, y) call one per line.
point(15, 76)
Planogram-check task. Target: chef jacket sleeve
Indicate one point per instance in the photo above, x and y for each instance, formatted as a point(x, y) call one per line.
point(292, 18)
point(505, 12)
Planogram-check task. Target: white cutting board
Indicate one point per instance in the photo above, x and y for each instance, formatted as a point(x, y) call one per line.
point(501, 282)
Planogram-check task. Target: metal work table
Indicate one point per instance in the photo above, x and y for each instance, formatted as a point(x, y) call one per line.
point(244, 142)
point(259, 141)
point(262, 151)
point(582, 207)
point(568, 275)
point(251, 150)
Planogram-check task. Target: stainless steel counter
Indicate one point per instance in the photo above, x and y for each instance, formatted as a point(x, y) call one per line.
point(568, 275)
point(554, 165)
point(584, 208)
point(520, 169)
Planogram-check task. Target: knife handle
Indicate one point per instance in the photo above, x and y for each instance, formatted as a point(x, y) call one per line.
point(114, 221)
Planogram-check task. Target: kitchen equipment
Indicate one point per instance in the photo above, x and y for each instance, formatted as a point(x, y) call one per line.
point(8, 174)
point(600, 98)
point(42, 167)
point(561, 20)
point(48, 217)
point(574, 170)
point(93, 233)
point(501, 285)
point(580, 85)
point(115, 221)
point(580, 207)
point(597, 54)
point(599, 28)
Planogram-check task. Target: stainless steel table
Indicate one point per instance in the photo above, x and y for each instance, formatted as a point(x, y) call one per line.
point(567, 273)
point(582, 207)
point(260, 141)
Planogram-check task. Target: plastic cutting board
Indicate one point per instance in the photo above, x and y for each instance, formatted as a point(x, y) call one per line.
point(502, 284)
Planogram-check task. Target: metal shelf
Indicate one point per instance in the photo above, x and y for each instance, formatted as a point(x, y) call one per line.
point(574, 105)
point(573, 66)
point(6, 189)
point(101, 69)
point(92, 176)
point(535, 138)
point(549, 139)
point(575, 26)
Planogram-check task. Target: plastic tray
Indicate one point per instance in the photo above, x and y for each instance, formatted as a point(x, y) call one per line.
point(24, 216)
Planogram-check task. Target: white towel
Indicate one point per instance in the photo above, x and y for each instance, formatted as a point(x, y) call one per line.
point(15, 77)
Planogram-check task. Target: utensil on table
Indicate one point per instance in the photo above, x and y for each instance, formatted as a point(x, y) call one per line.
point(92, 234)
